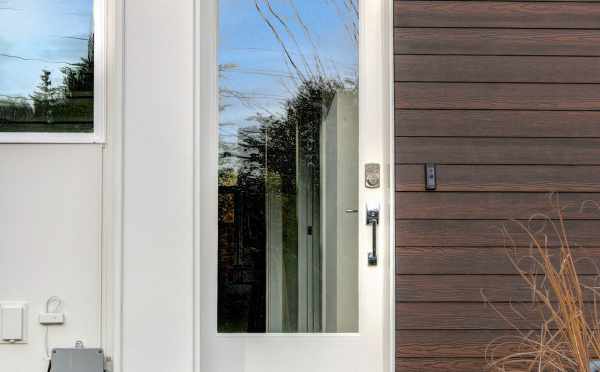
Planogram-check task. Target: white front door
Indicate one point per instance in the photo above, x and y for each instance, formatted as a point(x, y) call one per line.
point(284, 135)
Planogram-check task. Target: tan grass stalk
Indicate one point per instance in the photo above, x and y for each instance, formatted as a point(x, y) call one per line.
point(568, 336)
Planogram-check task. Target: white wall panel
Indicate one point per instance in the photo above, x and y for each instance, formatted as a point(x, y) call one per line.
point(158, 186)
point(50, 203)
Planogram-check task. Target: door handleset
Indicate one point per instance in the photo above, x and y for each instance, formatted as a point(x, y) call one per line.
point(373, 220)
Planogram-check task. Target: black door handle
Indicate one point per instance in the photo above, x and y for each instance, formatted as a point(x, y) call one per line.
point(373, 220)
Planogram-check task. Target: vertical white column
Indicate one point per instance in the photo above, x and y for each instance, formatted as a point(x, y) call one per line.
point(158, 198)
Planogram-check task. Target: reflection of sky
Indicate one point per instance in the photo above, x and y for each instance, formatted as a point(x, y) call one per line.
point(258, 70)
point(37, 35)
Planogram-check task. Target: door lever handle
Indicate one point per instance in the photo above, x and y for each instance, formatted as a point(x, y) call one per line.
point(373, 220)
point(351, 211)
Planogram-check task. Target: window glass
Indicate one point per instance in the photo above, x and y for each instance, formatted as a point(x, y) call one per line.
point(46, 66)
point(288, 166)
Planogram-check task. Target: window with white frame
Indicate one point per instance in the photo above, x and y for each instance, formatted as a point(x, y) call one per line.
point(48, 77)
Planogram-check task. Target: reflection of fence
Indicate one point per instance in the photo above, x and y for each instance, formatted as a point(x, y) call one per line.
point(242, 245)
point(72, 113)
point(50, 107)
point(44, 126)
point(241, 234)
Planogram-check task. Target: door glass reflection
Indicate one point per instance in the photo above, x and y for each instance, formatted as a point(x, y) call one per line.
point(288, 166)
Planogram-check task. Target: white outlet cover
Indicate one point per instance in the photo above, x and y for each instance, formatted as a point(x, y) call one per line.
point(24, 317)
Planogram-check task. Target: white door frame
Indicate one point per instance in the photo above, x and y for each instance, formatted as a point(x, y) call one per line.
point(205, 97)
point(206, 138)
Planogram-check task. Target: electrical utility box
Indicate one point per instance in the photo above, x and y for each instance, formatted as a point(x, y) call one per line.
point(77, 360)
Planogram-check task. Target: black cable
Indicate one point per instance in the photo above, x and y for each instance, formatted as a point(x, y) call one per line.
point(49, 366)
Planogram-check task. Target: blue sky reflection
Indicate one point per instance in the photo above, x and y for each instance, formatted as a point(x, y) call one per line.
point(38, 35)
point(256, 76)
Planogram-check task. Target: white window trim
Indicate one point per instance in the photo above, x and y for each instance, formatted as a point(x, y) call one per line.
point(99, 133)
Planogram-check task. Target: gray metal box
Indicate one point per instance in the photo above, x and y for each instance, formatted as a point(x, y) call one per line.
point(77, 360)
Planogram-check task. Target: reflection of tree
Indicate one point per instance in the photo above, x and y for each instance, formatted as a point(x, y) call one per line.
point(273, 141)
point(311, 84)
point(79, 77)
point(305, 64)
point(45, 98)
point(68, 107)
point(269, 168)
point(302, 55)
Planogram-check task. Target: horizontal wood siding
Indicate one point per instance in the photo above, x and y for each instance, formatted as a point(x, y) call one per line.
point(473, 288)
point(493, 205)
point(494, 178)
point(469, 316)
point(504, 97)
point(488, 233)
point(484, 41)
point(440, 364)
point(491, 69)
point(493, 14)
point(540, 151)
point(497, 96)
point(448, 344)
point(497, 123)
point(434, 261)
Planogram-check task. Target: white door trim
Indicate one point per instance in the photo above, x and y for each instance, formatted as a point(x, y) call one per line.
point(206, 143)
point(387, 23)
point(205, 99)
point(112, 186)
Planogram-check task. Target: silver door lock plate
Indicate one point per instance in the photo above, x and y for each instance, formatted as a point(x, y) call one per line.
point(77, 360)
point(372, 175)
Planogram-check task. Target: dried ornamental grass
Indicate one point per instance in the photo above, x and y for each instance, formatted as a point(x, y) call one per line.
point(569, 333)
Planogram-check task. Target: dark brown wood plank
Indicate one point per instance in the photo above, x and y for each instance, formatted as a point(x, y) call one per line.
point(554, 151)
point(496, 14)
point(488, 205)
point(423, 315)
point(489, 261)
point(545, 178)
point(497, 41)
point(497, 96)
point(518, 69)
point(474, 288)
point(461, 233)
point(460, 344)
point(498, 123)
point(440, 364)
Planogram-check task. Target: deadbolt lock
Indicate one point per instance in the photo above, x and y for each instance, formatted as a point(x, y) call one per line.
point(372, 176)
